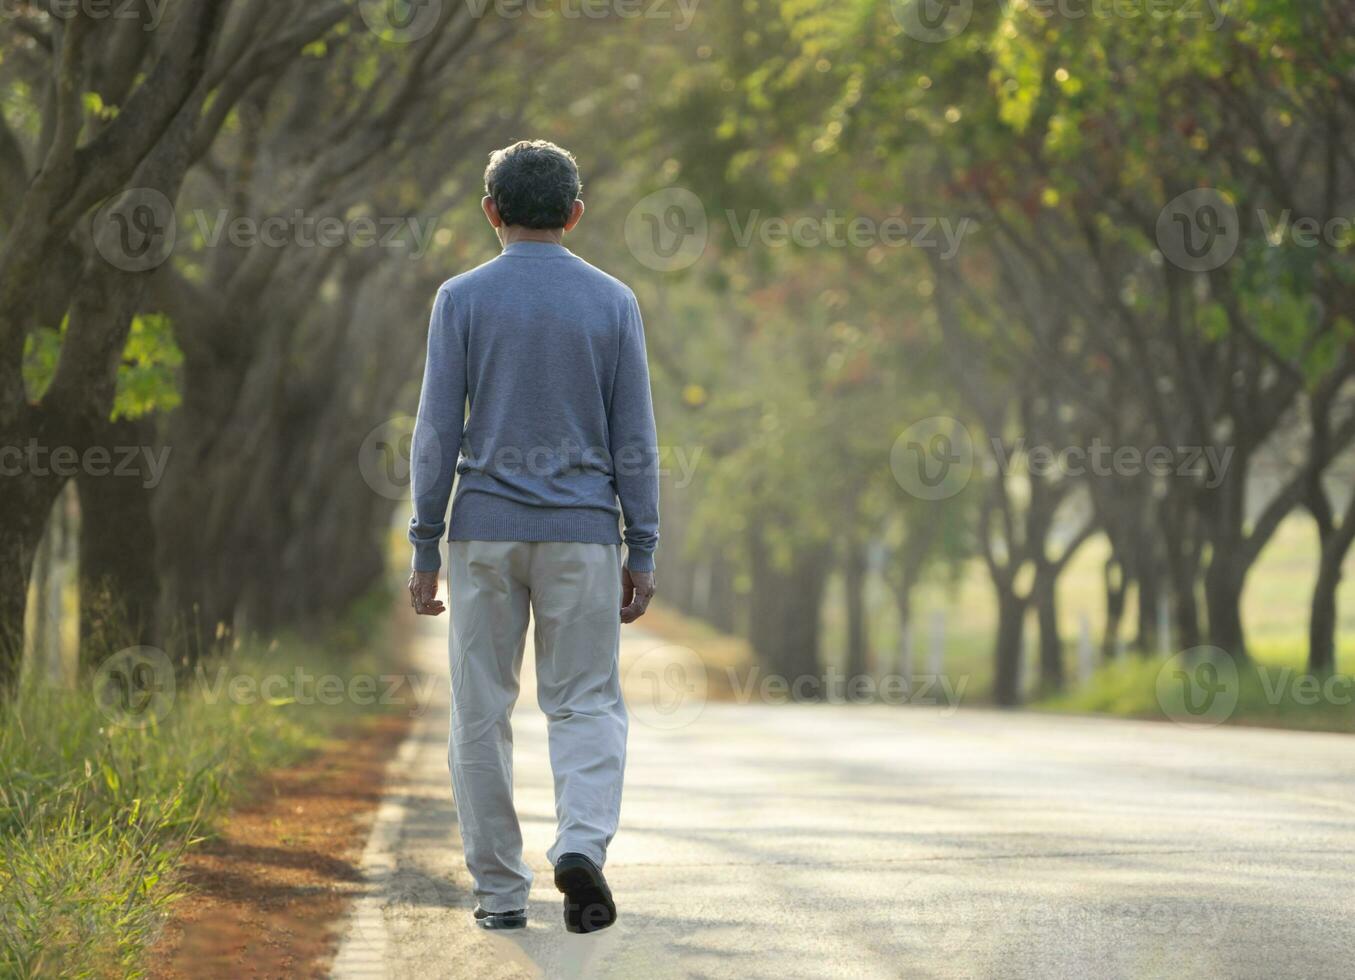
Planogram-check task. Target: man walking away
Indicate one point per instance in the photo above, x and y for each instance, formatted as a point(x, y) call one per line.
point(536, 392)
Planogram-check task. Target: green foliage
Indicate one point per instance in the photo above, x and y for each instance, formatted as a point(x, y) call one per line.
point(81, 900)
point(95, 817)
point(1063, 137)
point(147, 377)
point(42, 349)
point(96, 107)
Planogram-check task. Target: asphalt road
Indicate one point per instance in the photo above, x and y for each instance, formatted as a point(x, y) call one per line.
point(829, 840)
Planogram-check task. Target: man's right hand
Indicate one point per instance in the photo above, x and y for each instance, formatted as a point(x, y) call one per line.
point(637, 588)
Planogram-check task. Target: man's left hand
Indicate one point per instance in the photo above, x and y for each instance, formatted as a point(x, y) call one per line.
point(423, 591)
point(637, 588)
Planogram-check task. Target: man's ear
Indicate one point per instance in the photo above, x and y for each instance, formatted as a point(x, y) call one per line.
point(575, 213)
point(491, 211)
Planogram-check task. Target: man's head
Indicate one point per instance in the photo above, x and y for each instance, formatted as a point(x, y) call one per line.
point(532, 191)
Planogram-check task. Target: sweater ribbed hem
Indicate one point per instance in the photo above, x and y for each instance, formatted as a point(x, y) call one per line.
point(483, 517)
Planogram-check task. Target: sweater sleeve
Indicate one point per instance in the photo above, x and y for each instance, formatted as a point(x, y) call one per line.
point(634, 445)
point(437, 435)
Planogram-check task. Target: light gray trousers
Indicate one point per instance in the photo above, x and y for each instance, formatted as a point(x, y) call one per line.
point(574, 592)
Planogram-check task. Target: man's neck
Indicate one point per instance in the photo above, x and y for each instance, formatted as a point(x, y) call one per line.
point(516, 233)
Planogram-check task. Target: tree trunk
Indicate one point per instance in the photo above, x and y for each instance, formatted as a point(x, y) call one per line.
point(1322, 617)
point(1051, 647)
point(680, 573)
point(1117, 591)
point(1185, 608)
point(1223, 604)
point(682, 585)
point(24, 509)
point(784, 612)
point(724, 605)
point(1180, 549)
point(804, 598)
point(1044, 594)
point(1146, 640)
point(119, 586)
point(195, 509)
point(1011, 618)
point(903, 601)
point(855, 589)
point(45, 628)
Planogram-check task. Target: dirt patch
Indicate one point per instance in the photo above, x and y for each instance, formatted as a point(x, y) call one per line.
point(727, 659)
point(265, 895)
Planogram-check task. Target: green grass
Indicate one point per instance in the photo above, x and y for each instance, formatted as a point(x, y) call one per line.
point(1274, 695)
point(95, 816)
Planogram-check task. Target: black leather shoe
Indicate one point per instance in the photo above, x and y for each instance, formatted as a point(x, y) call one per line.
point(588, 900)
point(516, 919)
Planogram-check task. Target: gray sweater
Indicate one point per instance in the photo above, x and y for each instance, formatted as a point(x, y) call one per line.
point(548, 353)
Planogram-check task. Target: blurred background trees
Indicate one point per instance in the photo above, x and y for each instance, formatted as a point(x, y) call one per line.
point(1034, 299)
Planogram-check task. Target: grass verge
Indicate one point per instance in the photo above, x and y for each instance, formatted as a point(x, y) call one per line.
point(1273, 690)
point(96, 815)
